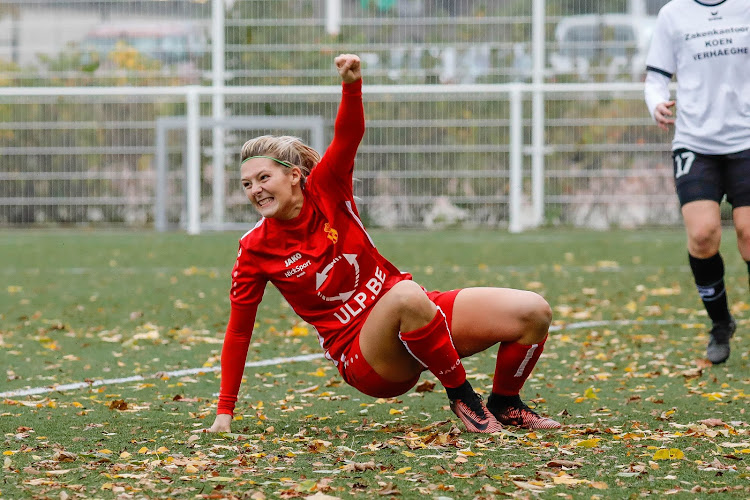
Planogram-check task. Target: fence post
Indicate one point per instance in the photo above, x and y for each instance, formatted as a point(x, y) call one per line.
point(160, 201)
point(516, 160)
point(537, 112)
point(193, 161)
point(333, 17)
point(217, 83)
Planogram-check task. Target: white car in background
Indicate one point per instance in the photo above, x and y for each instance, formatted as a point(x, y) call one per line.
point(611, 45)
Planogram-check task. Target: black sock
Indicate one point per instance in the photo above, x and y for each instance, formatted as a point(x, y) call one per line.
point(709, 278)
point(460, 392)
point(498, 401)
point(748, 273)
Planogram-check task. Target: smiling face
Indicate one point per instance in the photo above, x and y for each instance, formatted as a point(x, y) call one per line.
point(273, 189)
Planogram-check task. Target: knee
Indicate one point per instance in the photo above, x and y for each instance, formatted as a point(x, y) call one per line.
point(704, 241)
point(536, 317)
point(410, 299)
point(743, 239)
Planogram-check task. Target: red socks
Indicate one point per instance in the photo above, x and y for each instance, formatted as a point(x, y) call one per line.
point(433, 347)
point(513, 366)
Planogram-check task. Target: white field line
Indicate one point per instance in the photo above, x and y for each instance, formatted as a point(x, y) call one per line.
point(277, 361)
point(621, 322)
point(140, 378)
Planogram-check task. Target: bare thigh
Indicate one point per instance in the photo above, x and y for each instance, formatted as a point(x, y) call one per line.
point(404, 307)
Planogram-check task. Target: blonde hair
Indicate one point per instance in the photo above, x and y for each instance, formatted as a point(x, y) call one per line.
point(286, 148)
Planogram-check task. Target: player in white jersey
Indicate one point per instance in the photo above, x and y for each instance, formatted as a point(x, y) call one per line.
point(706, 45)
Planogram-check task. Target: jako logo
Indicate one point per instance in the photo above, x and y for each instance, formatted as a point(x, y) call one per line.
point(291, 260)
point(453, 367)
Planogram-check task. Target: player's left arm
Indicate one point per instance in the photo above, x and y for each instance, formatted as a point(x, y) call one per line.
point(336, 168)
point(661, 65)
point(349, 67)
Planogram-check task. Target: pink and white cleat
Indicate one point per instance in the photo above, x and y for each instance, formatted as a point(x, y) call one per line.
point(470, 408)
point(513, 411)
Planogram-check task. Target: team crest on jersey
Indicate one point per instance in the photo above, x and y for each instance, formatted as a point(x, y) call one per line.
point(331, 233)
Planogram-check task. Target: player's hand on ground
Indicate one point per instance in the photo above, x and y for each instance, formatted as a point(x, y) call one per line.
point(222, 423)
point(663, 115)
point(349, 67)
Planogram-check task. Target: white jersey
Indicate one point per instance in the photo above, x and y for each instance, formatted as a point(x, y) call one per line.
point(706, 44)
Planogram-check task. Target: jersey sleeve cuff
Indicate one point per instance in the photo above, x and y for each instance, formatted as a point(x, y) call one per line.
point(660, 71)
point(353, 88)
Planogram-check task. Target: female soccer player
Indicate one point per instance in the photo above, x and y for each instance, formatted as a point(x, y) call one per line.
point(379, 328)
point(706, 44)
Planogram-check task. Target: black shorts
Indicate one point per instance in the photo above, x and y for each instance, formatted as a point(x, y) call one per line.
point(710, 177)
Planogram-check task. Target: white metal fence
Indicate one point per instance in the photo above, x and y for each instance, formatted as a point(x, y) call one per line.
point(467, 120)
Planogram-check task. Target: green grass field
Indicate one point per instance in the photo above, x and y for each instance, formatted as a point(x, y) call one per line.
point(643, 413)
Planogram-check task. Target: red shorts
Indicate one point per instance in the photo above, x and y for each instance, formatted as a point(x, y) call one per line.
point(358, 373)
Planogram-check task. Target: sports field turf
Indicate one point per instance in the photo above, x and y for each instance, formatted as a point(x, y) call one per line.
point(643, 413)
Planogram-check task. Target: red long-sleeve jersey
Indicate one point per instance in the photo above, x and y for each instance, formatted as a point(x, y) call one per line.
point(323, 261)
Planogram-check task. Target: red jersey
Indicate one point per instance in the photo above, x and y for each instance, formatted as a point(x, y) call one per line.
point(323, 261)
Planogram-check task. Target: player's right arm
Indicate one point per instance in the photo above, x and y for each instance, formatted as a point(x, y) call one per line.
point(248, 284)
point(233, 357)
point(661, 65)
point(656, 90)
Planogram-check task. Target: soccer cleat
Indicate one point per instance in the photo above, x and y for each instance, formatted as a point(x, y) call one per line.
point(515, 412)
point(470, 409)
point(718, 347)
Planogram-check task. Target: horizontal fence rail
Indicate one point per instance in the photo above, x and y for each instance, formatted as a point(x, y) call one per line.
point(431, 156)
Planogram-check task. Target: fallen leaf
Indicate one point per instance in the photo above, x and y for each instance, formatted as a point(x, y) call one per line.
point(589, 443)
point(425, 386)
point(712, 422)
point(559, 464)
point(118, 404)
point(668, 454)
point(358, 467)
point(388, 489)
point(64, 456)
point(321, 496)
